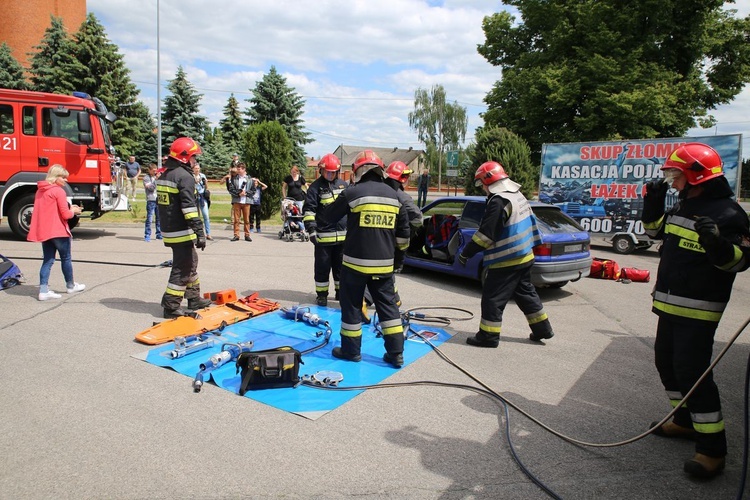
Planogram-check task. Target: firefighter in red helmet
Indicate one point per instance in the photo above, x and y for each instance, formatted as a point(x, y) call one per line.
point(181, 228)
point(706, 241)
point(377, 226)
point(328, 238)
point(507, 235)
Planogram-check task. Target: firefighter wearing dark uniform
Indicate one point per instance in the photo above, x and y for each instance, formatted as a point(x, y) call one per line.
point(181, 228)
point(706, 241)
point(327, 238)
point(376, 227)
point(507, 235)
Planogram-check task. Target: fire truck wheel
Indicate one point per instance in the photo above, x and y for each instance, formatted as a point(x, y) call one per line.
point(19, 215)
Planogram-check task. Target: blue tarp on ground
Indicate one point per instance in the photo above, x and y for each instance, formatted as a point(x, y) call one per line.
point(274, 329)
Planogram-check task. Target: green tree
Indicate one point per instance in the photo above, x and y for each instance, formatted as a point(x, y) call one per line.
point(609, 70)
point(232, 126)
point(54, 61)
point(511, 151)
point(216, 153)
point(274, 101)
point(270, 151)
point(438, 122)
point(11, 71)
point(144, 147)
point(180, 116)
point(101, 72)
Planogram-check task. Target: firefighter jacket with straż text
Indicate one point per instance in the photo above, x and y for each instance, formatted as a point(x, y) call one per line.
point(320, 195)
point(377, 225)
point(694, 282)
point(507, 233)
point(178, 213)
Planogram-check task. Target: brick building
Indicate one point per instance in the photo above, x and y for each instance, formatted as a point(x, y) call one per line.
point(24, 22)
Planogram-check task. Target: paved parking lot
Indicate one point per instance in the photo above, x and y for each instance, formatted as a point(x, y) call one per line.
point(81, 418)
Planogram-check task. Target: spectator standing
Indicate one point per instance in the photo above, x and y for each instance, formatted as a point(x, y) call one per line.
point(328, 238)
point(203, 198)
point(507, 234)
point(152, 214)
point(182, 228)
point(133, 172)
point(423, 185)
point(255, 210)
point(50, 226)
point(239, 187)
point(294, 187)
point(705, 243)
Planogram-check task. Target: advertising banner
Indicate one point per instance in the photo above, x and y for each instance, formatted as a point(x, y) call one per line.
point(601, 184)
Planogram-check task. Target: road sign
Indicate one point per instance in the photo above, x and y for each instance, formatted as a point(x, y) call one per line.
point(451, 172)
point(452, 158)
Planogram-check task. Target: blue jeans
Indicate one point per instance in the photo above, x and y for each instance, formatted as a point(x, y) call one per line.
point(203, 208)
point(152, 214)
point(49, 247)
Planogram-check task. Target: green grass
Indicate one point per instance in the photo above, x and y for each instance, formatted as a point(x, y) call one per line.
point(221, 208)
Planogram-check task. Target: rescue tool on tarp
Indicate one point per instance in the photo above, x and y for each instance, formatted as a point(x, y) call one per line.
point(229, 352)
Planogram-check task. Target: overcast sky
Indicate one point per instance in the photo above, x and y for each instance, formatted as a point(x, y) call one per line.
point(356, 63)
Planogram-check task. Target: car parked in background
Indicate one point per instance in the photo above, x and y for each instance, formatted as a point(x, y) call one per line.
point(450, 223)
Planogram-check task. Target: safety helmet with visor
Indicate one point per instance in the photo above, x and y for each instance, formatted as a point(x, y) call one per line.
point(398, 170)
point(183, 149)
point(364, 162)
point(696, 161)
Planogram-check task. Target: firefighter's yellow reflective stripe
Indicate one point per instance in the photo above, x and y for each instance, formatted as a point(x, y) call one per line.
point(327, 200)
point(178, 236)
point(194, 283)
point(654, 225)
point(536, 317)
point(392, 326)
point(481, 240)
point(321, 287)
point(188, 210)
point(711, 428)
point(736, 264)
point(369, 266)
point(490, 326)
point(682, 227)
point(176, 290)
point(402, 243)
point(391, 205)
point(308, 217)
point(686, 312)
point(167, 189)
point(704, 305)
point(345, 332)
point(331, 236)
point(192, 215)
point(513, 262)
point(708, 423)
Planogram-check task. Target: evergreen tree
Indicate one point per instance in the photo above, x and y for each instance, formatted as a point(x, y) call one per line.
point(11, 71)
point(54, 61)
point(145, 147)
point(511, 151)
point(269, 152)
point(101, 72)
point(609, 70)
point(273, 100)
point(216, 154)
point(180, 116)
point(232, 126)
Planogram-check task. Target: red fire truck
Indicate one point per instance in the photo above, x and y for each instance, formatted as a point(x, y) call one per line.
point(38, 130)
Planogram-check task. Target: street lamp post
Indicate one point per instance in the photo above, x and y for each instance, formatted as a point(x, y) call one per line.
point(158, 90)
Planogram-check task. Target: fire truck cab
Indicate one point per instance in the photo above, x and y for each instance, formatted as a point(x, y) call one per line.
point(38, 130)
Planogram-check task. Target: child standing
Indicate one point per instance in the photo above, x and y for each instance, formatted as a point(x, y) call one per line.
point(240, 188)
point(152, 214)
point(258, 188)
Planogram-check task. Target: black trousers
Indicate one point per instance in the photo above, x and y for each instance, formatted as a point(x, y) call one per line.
point(255, 216)
point(351, 294)
point(682, 353)
point(183, 280)
point(500, 286)
point(328, 260)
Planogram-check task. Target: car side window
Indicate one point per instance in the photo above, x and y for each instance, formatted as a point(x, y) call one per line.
point(472, 215)
point(446, 208)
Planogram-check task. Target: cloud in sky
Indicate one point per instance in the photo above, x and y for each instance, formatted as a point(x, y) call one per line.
point(356, 63)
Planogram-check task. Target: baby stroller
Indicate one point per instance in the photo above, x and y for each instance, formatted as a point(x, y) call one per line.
point(291, 214)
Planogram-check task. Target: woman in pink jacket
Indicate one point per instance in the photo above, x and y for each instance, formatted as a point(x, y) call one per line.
point(49, 224)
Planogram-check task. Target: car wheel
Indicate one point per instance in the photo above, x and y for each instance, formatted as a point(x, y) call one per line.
point(19, 216)
point(623, 244)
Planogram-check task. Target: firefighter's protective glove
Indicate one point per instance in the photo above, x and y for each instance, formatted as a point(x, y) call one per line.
point(708, 231)
point(657, 188)
point(398, 260)
point(200, 243)
point(462, 259)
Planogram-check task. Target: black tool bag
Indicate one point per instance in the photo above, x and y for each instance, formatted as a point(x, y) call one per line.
point(272, 368)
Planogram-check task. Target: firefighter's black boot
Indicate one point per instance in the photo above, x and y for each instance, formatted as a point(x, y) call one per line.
point(394, 348)
point(397, 360)
point(349, 350)
point(177, 313)
point(482, 339)
point(704, 467)
point(198, 303)
point(322, 299)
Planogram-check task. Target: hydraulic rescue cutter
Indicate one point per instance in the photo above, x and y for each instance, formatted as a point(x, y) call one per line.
point(227, 311)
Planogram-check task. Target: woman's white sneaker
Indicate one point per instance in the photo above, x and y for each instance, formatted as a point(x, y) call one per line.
point(49, 295)
point(77, 287)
